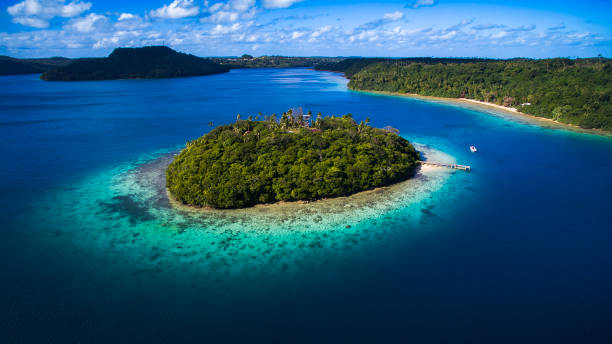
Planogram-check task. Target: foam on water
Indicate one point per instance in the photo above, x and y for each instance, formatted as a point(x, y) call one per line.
point(124, 213)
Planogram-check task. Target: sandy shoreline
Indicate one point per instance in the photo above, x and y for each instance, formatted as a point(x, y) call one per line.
point(331, 204)
point(541, 121)
point(344, 211)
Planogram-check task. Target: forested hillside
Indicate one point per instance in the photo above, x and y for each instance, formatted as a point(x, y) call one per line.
point(12, 66)
point(136, 63)
point(577, 92)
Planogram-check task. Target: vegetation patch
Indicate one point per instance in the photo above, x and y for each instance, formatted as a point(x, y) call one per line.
point(135, 63)
point(265, 160)
point(571, 91)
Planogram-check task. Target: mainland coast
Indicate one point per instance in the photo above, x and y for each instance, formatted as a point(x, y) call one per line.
point(498, 109)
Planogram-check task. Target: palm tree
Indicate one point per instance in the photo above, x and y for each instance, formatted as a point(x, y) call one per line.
point(318, 121)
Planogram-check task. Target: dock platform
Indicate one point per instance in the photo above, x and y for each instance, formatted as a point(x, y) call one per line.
point(453, 166)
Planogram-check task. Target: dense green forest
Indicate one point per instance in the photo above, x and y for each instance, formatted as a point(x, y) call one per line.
point(136, 63)
point(351, 66)
point(572, 91)
point(12, 66)
point(264, 160)
point(248, 61)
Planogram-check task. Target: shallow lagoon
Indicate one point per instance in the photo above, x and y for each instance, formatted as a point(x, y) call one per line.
point(515, 250)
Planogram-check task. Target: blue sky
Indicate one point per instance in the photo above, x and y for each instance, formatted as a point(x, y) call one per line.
point(502, 29)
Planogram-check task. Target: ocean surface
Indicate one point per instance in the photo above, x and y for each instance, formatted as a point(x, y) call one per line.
point(516, 251)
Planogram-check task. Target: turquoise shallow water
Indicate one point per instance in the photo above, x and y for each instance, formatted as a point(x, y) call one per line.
point(516, 250)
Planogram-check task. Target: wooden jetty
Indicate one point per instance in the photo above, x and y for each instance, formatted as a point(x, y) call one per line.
point(453, 166)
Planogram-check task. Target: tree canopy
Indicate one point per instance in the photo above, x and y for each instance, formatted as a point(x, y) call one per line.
point(136, 63)
point(577, 92)
point(263, 161)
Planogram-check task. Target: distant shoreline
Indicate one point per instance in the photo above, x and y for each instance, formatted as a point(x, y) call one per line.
point(542, 121)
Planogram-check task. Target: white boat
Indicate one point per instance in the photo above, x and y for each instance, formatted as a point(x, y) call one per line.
point(473, 149)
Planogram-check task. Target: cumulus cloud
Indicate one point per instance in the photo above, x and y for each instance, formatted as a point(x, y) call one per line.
point(225, 29)
point(32, 22)
point(297, 34)
point(126, 16)
point(241, 5)
point(177, 9)
point(420, 3)
point(279, 3)
point(229, 12)
point(387, 18)
point(129, 21)
point(87, 23)
point(397, 15)
point(315, 34)
point(38, 13)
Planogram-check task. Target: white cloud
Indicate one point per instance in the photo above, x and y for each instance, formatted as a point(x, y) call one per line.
point(397, 15)
point(87, 23)
point(297, 34)
point(177, 9)
point(215, 7)
point(241, 5)
point(320, 31)
point(223, 16)
point(230, 11)
point(386, 19)
point(32, 22)
point(126, 16)
point(74, 8)
point(421, 3)
point(445, 36)
point(225, 29)
point(279, 3)
point(38, 13)
point(129, 21)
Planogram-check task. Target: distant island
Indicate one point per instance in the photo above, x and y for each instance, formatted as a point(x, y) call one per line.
point(265, 160)
point(14, 66)
point(152, 62)
point(571, 91)
point(248, 61)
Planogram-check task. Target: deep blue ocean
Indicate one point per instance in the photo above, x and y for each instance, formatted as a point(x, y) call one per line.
point(516, 251)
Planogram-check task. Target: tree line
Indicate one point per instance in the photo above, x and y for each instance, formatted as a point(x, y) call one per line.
point(572, 91)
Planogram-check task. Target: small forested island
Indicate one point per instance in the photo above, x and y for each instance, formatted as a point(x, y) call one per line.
point(570, 91)
point(152, 62)
point(265, 160)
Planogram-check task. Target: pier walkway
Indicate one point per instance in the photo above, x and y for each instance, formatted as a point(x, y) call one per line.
point(453, 166)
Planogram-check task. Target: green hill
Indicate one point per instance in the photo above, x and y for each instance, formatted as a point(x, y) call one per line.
point(571, 91)
point(135, 63)
point(250, 162)
point(12, 66)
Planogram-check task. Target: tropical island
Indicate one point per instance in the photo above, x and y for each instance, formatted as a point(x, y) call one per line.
point(265, 160)
point(153, 62)
point(570, 91)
